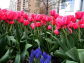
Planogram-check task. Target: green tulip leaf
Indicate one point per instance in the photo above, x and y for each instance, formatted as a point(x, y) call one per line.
point(5, 57)
point(68, 61)
point(24, 53)
point(17, 58)
point(81, 55)
point(37, 41)
point(73, 54)
point(11, 38)
point(49, 40)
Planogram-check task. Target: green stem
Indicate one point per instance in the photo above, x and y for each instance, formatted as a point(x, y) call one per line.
point(68, 44)
point(79, 36)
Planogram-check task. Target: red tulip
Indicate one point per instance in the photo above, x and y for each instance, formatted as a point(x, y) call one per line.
point(56, 15)
point(79, 14)
point(59, 22)
point(70, 25)
point(38, 17)
point(25, 16)
point(43, 22)
point(82, 26)
point(11, 22)
point(53, 22)
point(26, 22)
point(30, 19)
point(38, 24)
point(75, 25)
point(21, 20)
point(52, 12)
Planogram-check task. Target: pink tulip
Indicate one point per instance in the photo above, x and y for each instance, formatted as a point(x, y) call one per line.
point(70, 30)
point(56, 32)
point(32, 25)
point(49, 27)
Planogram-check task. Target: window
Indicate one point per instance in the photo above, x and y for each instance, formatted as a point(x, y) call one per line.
point(68, 5)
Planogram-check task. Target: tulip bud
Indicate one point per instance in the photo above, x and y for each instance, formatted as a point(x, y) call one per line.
point(56, 32)
point(49, 27)
point(52, 12)
point(32, 25)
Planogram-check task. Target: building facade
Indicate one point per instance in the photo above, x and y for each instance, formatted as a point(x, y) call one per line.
point(13, 5)
point(68, 7)
point(65, 7)
point(31, 6)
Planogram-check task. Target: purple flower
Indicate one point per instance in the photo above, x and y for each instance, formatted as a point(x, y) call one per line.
point(44, 55)
point(31, 58)
point(43, 58)
point(38, 53)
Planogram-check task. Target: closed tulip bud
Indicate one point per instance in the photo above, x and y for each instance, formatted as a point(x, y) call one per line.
point(49, 27)
point(32, 25)
point(56, 32)
point(52, 12)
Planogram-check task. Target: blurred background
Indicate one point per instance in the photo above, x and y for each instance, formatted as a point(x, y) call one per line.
point(63, 7)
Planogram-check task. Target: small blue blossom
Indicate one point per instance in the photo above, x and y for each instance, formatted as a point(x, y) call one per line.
point(42, 60)
point(31, 58)
point(37, 54)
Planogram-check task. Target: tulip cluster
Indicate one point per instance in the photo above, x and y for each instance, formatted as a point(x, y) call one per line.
point(37, 54)
point(53, 21)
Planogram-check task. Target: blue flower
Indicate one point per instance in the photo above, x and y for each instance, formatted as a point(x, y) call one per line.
point(47, 61)
point(44, 55)
point(38, 53)
point(31, 58)
point(43, 58)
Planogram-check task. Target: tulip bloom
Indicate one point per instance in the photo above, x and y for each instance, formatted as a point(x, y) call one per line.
point(11, 22)
point(26, 22)
point(79, 14)
point(75, 25)
point(38, 24)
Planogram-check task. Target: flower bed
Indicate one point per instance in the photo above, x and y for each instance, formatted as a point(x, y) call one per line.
point(40, 38)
